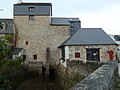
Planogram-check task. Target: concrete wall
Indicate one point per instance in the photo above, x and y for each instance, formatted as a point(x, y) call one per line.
point(40, 35)
point(82, 49)
point(101, 79)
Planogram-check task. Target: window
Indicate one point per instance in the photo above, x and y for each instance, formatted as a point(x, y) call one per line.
point(4, 26)
point(77, 48)
point(92, 54)
point(31, 17)
point(34, 57)
point(31, 9)
point(117, 37)
point(24, 57)
point(71, 31)
point(77, 55)
point(26, 42)
point(71, 24)
point(63, 53)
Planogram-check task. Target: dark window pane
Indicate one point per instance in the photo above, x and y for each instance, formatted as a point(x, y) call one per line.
point(31, 9)
point(34, 56)
point(77, 55)
point(24, 57)
point(31, 17)
point(26, 42)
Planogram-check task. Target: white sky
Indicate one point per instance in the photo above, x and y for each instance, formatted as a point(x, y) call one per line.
point(92, 13)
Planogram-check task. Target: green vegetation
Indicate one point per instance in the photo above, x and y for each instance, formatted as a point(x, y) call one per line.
point(66, 81)
point(11, 73)
point(9, 38)
point(6, 41)
point(5, 49)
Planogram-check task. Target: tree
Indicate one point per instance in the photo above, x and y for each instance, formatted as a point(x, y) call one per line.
point(4, 46)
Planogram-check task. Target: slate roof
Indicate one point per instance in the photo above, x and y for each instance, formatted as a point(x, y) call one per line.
point(62, 20)
point(15, 51)
point(9, 26)
point(89, 36)
point(41, 4)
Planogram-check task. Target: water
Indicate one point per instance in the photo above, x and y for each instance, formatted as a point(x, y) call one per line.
point(39, 83)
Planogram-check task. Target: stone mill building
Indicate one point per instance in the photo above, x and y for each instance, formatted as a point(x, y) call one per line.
point(40, 34)
point(48, 39)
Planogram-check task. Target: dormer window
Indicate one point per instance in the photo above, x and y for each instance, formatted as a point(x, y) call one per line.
point(3, 26)
point(31, 8)
point(71, 24)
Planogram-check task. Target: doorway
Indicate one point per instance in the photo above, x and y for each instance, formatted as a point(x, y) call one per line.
point(92, 54)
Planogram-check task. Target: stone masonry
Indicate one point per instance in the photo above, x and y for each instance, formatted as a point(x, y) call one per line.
point(40, 35)
point(103, 52)
point(101, 79)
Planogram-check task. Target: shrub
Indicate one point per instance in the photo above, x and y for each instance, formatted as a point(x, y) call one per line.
point(10, 72)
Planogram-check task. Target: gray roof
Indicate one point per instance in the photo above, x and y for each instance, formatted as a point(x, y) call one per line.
point(62, 21)
point(89, 36)
point(16, 51)
point(39, 9)
point(41, 4)
point(8, 26)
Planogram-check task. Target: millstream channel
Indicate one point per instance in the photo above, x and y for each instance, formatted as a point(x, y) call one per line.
point(41, 82)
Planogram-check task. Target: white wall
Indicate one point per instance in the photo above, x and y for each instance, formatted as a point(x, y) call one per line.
point(19, 55)
point(66, 56)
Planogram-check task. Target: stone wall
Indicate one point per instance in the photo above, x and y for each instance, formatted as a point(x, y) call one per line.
point(101, 79)
point(82, 49)
point(40, 35)
point(74, 72)
point(82, 68)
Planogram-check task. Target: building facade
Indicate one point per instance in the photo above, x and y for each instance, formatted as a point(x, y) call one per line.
point(88, 45)
point(116, 38)
point(7, 27)
point(40, 34)
point(47, 39)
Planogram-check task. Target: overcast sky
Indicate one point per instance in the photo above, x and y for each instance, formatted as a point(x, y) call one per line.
point(92, 13)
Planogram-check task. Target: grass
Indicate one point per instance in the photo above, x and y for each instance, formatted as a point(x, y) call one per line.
point(117, 85)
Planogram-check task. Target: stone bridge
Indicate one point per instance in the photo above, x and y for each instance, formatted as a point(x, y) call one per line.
point(101, 79)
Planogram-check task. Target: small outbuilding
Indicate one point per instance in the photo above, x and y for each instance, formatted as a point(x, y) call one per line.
point(88, 45)
point(17, 53)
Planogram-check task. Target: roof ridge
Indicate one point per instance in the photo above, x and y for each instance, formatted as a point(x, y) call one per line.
point(65, 17)
point(89, 36)
point(24, 3)
point(91, 28)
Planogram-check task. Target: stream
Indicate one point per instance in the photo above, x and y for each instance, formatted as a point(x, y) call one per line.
point(39, 83)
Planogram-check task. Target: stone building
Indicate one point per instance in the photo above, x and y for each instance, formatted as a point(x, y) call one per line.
point(7, 27)
point(7, 34)
point(116, 38)
point(88, 45)
point(40, 34)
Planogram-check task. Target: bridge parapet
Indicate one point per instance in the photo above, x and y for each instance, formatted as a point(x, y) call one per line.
point(101, 79)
